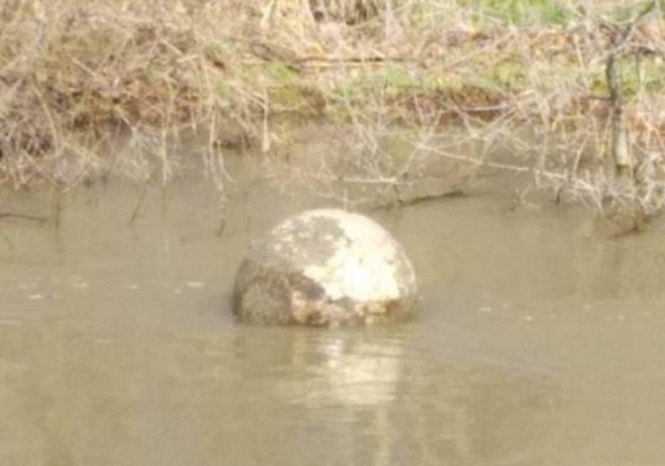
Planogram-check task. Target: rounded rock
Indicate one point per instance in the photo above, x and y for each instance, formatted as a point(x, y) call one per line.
point(325, 267)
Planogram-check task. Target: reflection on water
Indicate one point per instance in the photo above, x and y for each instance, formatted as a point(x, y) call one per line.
point(537, 344)
point(346, 371)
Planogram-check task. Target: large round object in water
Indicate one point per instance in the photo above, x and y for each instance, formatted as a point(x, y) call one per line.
point(325, 267)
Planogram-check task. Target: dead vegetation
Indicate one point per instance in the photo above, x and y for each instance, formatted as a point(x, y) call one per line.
point(79, 78)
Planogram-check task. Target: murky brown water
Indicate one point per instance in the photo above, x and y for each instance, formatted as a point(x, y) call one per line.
point(537, 344)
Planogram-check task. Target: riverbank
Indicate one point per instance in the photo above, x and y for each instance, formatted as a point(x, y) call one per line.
point(77, 78)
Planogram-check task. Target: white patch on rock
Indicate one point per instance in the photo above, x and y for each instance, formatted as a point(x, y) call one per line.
point(363, 266)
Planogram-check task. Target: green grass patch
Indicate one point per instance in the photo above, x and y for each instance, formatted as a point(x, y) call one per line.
point(281, 73)
point(519, 12)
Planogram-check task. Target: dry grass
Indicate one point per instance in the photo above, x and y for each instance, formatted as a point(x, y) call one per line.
point(78, 77)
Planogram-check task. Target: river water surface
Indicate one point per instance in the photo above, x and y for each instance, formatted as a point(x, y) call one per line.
point(539, 342)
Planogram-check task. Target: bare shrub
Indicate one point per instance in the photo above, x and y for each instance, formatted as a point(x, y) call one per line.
point(77, 77)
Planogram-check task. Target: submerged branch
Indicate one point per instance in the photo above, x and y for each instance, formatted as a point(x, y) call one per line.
point(34, 218)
